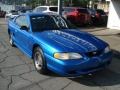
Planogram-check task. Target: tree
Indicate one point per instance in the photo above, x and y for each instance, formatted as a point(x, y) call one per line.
point(34, 3)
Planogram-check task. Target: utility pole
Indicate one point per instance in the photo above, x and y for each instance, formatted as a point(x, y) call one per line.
point(60, 7)
point(46, 2)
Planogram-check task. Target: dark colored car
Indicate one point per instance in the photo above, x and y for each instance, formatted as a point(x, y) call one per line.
point(92, 14)
point(101, 17)
point(2, 13)
point(54, 44)
point(77, 15)
point(11, 14)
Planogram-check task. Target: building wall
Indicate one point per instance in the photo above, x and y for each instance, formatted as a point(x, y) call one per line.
point(103, 5)
point(7, 8)
point(114, 15)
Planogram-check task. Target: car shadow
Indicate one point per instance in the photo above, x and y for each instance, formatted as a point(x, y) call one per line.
point(107, 77)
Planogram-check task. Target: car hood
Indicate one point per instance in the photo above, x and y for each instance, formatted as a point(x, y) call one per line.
point(71, 40)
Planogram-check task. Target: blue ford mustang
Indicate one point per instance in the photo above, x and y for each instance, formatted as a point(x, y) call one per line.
point(55, 44)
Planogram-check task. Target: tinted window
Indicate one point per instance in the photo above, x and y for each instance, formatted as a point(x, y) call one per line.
point(14, 12)
point(100, 11)
point(69, 9)
point(46, 22)
point(22, 21)
point(82, 10)
point(55, 9)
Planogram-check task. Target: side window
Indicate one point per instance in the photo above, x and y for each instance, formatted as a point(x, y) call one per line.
point(55, 9)
point(40, 23)
point(22, 21)
point(40, 9)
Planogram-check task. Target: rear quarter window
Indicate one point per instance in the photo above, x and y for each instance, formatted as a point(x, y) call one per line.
point(55, 9)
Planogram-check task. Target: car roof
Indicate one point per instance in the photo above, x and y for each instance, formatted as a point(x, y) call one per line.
point(45, 6)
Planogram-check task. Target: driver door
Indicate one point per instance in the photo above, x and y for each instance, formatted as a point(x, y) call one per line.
point(22, 36)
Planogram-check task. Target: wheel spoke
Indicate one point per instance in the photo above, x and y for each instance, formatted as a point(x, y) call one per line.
point(38, 61)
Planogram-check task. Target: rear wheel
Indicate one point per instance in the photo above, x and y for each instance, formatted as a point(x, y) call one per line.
point(39, 61)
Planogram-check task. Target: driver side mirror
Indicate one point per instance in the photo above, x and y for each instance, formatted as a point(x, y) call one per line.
point(24, 28)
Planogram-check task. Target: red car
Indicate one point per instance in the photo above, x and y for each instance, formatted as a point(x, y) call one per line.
point(77, 15)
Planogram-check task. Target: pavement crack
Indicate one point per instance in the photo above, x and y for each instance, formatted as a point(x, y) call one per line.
point(25, 79)
point(66, 85)
point(3, 59)
point(11, 81)
point(40, 86)
point(25, 72)
point(33, 83)
point(13, 66)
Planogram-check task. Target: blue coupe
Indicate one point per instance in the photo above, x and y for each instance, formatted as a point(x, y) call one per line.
point(55, 44)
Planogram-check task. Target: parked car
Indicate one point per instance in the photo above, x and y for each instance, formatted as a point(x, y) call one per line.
point(54, 44)
point(11, 14)
point(2, 13)
point(46, 9)
point(101, 17)
point(21, 11)
point(77, 15)
point(92, 13)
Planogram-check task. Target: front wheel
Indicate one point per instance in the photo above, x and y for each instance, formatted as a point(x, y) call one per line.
point(39, 61)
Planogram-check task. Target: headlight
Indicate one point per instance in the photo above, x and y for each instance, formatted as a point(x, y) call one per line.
point(67, 56)
point(107, 49)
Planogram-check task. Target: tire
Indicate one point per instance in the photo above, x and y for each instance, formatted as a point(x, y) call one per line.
point(11, 40)
point(39, 61)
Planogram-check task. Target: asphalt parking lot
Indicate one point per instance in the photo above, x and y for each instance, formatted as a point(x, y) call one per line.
point(17, 71)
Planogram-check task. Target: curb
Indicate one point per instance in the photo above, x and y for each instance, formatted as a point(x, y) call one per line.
point(94, 30)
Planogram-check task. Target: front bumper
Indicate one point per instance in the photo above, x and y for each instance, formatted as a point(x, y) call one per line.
point(78, 67)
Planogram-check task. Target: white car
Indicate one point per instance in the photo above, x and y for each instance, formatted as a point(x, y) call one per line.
point(46, 9)
point(11, 14)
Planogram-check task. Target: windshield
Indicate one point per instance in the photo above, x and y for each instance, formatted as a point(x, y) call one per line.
point(14, 12)
point(47, 22)
point(101, 12)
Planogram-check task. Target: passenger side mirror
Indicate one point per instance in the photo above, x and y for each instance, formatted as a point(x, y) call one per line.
point(24, 28)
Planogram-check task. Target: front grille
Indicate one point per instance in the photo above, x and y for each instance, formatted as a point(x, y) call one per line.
point(94, 53)
point(100, 66)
